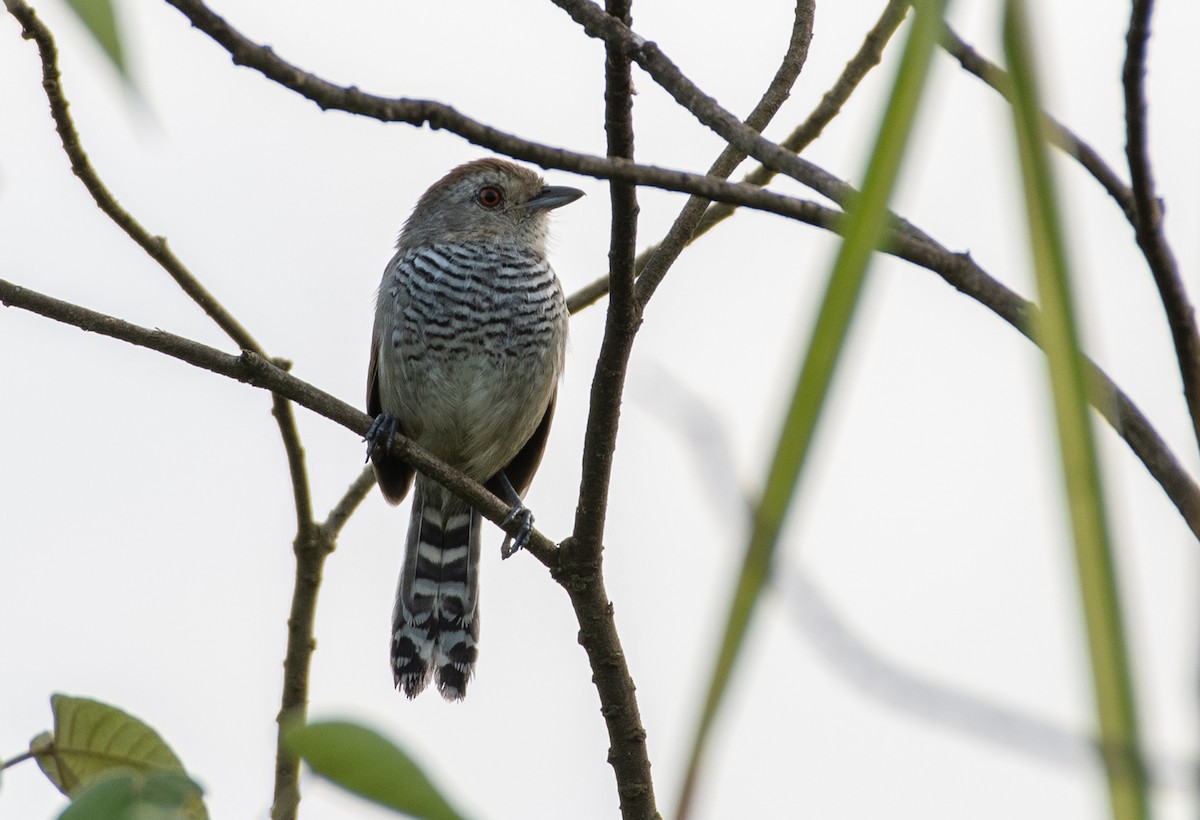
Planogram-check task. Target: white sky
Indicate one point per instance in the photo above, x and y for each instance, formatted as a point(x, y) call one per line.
point(145, 512)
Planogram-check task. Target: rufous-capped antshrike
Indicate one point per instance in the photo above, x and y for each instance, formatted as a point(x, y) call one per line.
point(468, 346)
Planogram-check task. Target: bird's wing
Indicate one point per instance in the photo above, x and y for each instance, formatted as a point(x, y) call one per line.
point(393, 475)
point(525, 463)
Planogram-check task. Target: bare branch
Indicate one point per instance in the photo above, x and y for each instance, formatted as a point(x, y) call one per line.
point(312, 546)
point(652, 269)
point(703, 107)
point(1148, 216)
point(621, 325)
point(329, 96)
point(154, 246)
point(1060, 136)
point(253, 369)
point(869, 55)
point(580, 560)
point(309, 561)
point(354, 495)
point(962, 272)
point(866, 58)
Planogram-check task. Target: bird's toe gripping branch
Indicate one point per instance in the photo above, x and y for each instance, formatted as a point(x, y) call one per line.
point(381, 433)
point(514, 544)
point(519, 512)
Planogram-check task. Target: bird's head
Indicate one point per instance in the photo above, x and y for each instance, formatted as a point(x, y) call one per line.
point(488, 200)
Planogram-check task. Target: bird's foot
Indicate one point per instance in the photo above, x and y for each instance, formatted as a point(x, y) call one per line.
point(381, 433)
point(515, 543)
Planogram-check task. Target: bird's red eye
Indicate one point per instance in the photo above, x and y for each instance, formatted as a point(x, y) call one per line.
point(490, 197)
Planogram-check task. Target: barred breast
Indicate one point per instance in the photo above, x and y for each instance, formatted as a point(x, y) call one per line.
point(475, 348)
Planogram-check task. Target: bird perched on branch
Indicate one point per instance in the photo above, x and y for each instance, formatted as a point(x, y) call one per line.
point(468, 347)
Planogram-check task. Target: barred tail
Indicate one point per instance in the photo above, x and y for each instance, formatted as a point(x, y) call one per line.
point(435, 625)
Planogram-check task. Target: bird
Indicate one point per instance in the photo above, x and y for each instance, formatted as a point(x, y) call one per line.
point(467, 350)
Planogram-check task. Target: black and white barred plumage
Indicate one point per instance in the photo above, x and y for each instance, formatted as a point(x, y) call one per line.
point(469, 343)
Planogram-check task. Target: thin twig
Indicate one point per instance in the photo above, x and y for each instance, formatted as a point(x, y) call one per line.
point(652, 270)
point(329, 96)
point(300, 644)
point(21, 758)
point(312, 546)
point(253, 369)
point(1060, 136)
point(703, 107)
point(964, 274)
point(869, 55)
point(1148, 217)
point(281, 409)
point(354, 495)
point(32, 28)
point(864, 60)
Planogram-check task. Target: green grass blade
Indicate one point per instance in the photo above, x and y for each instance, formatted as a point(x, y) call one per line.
point(1057, 333)
point(97, 16)
point(865, 222)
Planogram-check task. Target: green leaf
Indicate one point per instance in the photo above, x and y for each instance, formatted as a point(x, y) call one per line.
point(92, 737)
point(94, 741)
point(98, 17)
point(366, 763)
point(1057, 334)
point(128, 795)
point(863, 227)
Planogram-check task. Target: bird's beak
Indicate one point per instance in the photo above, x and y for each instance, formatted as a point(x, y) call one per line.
point(553, 196)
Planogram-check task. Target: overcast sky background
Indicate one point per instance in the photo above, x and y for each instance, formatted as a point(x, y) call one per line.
point(145, 510)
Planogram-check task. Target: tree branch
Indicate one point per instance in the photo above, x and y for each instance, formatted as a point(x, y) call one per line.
point(253, 369)
point(959, 270)
point(329, 96)
point(313, 542)
point(358, 490)
point(580, 561)
point(655, 266)
point(1148, 216)
point(703, 107)
point(32, 28)
point(309, 553)
point(1060, 136)
point(867, 57)
point(312, 546)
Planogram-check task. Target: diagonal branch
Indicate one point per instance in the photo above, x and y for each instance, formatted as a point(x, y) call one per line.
point(1060, 136)
point(253, 369)
point(311, 544)
point(703, 107)
point(654, 267)
point(358, 490)
point(867, 57)
point(439, 116)
point(1148, 215)
point(32, 28)
point(962, 272)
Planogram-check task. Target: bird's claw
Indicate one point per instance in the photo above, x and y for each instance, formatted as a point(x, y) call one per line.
point(381, 433)
point(515, 543)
